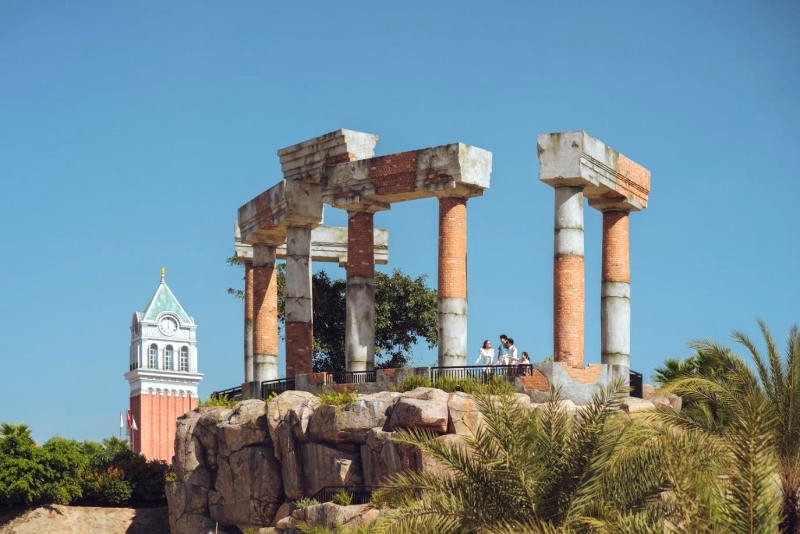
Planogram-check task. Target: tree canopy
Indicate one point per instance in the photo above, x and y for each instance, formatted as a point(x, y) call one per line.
point(405, 314)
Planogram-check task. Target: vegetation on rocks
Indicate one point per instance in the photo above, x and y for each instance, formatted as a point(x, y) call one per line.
point(729, 463)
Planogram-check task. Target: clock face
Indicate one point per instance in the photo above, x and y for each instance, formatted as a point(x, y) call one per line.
point(168, 325)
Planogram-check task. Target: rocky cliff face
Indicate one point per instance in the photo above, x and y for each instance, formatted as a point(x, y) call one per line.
point(243, 467)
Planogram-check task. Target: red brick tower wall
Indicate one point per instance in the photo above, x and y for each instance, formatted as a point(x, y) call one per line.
point(156, 417)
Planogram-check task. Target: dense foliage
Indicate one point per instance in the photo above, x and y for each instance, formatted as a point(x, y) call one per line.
point(730, 463)
point(405, 314)
point(70, 472)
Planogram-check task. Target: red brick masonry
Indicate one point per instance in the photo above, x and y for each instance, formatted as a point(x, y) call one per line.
point(568, 310)
point(453, 247)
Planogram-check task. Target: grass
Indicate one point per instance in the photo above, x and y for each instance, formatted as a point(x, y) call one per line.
point(222, 401)
point(494, 385)
point(338, 398)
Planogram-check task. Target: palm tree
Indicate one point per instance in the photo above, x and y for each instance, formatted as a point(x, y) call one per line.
point(756, 415)
point(547, 470)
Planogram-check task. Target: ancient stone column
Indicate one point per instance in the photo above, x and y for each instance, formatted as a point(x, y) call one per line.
point(568, 276)
point(452, 281)
point(265, 314)
point(615, 307)
point(299, 310)
point(248, 320)
point(359, 340)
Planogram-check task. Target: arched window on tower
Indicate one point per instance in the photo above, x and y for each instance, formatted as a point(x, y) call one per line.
point(169, 360)
point(152, 359)
point(184, 359)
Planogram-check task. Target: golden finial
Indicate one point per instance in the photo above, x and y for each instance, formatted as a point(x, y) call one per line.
point(163, 273)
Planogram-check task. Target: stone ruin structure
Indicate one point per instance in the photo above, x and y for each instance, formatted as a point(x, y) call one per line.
point(339, 169)
point(578, 165)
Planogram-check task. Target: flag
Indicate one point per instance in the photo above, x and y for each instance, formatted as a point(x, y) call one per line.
point(128, 418)
point(133, 424)
point(121, 421)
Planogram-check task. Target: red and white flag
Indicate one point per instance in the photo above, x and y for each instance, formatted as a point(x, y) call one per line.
point(132, 421)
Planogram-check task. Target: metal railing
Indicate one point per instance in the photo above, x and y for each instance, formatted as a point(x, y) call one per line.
point(483, 373)
point(353, 377)
point(276, 386)
point(358, 494)
point(230, 393)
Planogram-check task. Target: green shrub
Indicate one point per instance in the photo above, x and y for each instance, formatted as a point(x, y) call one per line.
point(214, 401)
point(106, 488)
point(414, 382)
point(305, 501)
point(338, 398)
point(494, 385)
point(342, 498)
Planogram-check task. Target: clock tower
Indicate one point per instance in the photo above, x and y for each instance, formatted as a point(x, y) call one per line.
point(163, 374)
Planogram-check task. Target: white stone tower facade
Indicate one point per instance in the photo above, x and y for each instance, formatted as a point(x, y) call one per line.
point(163, 373)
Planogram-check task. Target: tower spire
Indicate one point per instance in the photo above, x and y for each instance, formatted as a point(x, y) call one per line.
point(163, 274)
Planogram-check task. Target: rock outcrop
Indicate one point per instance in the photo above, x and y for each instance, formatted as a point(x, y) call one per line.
point(245, 467)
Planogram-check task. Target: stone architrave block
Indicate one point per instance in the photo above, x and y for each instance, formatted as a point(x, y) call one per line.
point(608, 178)
point(456, 170)
point(306, 161)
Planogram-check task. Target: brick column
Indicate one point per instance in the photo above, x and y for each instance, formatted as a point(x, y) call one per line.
point(360, 296)
point(299, 311)
point(248, 320)
point(568, 277)
point(452, 281)
point(265, 314)
point(615, 308)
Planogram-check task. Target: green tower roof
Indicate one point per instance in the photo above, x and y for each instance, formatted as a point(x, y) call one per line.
point(164, 301)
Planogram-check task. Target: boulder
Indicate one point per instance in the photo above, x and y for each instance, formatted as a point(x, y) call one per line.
point(421, 408)
point(351, 423)
point(294, 407)
point(464, 416)
point(635, 405)
point(248, 488)
point(288, 417)
point(244, 426)
point(428, 463)
point(324, 465)
point(381, 457)
point(331, 516)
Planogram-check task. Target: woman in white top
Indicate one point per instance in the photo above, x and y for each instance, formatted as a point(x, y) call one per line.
point(486, 354)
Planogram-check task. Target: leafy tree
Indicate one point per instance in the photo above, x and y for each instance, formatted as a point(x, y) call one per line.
point(21, 473)
point(64, 465)
point(405, 314)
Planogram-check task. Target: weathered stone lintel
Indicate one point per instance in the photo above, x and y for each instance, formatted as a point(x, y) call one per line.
point(328, 244)
point(288, 203)
point(306, 160)
point(455, 170)
point(577, 158)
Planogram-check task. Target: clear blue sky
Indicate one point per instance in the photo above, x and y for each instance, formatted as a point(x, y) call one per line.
point(130, 133)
